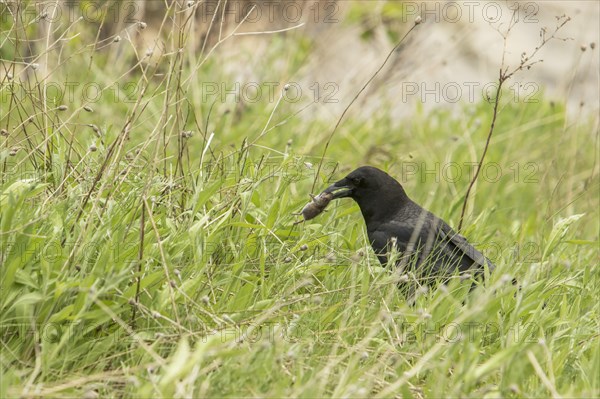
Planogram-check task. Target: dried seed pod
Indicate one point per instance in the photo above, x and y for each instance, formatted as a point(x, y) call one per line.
point(316, 206)
point(96, 130)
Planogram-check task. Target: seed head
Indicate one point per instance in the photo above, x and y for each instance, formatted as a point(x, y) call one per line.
point(4, 132)
point(142, 25)
point(331, 257)
point(62, 107)
point(93, 148)
point(96, 129)
point(317, 300)
point(423, 289)
point(88, 108)
point(117, 39)
point(418, 20)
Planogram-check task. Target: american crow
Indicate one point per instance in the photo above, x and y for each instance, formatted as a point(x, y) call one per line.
point(427, 246)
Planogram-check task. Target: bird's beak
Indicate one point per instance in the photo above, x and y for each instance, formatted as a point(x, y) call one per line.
point(339, 190)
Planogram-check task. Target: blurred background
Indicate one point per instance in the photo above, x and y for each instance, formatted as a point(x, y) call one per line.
point(330, 48)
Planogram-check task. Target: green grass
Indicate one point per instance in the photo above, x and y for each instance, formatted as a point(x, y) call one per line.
point(236, 300)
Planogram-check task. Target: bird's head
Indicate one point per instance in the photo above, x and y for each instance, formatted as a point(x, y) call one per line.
point(375, 191)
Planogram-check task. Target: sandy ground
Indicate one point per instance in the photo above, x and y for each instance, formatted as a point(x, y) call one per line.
point(455, 55)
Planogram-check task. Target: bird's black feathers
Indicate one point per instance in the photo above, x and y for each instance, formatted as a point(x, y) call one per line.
point(427, 245)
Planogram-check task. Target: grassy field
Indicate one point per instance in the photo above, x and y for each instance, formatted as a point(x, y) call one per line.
point(148, 245)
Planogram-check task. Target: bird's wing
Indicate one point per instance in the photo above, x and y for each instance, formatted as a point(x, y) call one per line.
point(456, 241)
point(381, 237)
point(379, 243)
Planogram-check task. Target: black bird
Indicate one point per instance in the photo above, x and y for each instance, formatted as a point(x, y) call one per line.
point(426, 245)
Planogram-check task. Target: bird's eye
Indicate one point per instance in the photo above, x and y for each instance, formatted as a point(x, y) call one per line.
point(356, 180)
